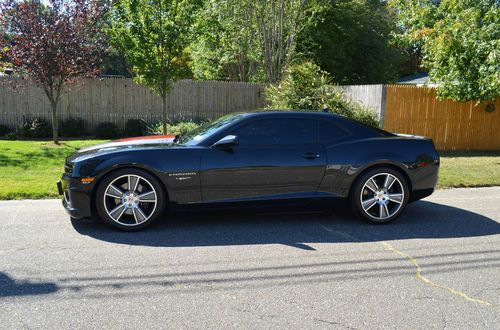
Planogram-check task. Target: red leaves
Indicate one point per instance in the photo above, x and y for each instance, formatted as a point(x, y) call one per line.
point(54, 42)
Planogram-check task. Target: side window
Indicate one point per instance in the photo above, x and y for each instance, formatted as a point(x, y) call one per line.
point(329, 132)
point(277, 132)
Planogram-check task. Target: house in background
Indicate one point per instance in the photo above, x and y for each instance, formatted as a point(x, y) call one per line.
point(6, 72)
point(418, 79)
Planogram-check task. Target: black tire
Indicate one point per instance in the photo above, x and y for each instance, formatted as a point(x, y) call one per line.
point(380, 205)
point(134, 215)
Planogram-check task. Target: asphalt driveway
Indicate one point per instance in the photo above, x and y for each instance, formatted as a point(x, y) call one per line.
point(438, 266)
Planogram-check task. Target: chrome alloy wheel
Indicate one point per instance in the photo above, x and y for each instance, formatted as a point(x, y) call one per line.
point(382, 196)
point(130, 200)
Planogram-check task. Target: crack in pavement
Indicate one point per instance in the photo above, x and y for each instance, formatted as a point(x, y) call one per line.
point(428, 281)
point(418, 272)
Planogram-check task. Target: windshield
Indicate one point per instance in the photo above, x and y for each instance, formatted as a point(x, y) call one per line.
point(204, 131)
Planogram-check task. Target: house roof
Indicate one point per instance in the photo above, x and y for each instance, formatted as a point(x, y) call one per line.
point(419, 78)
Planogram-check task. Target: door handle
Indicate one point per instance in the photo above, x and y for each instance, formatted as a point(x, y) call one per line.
point(310, 155)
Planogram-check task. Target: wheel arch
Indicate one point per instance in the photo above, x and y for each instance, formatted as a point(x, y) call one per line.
point(395, 167)
point(93, 207)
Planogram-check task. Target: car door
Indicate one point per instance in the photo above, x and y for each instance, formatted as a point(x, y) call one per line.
point(274, 158)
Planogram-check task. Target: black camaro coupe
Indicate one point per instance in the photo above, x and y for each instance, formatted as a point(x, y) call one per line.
point(251, 159)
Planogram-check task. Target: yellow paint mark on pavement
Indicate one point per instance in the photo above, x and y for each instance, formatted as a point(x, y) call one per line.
point(430, 282)
point(418, 272)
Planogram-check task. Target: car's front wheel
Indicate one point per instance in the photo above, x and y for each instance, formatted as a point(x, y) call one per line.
point(129, 199)
point(380, 195)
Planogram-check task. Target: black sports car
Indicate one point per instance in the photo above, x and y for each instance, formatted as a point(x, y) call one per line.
point(247, 160)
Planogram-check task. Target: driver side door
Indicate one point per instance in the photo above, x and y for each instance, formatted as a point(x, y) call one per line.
point(274, 159)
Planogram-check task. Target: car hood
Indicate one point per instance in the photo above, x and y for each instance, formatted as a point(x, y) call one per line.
point(131, 142)
point(134, 142)
point(412, 136)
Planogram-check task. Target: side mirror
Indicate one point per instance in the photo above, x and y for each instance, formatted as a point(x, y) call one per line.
point(227, 141)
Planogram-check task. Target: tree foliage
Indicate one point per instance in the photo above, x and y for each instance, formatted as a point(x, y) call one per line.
point(227, 47)
point(352, 41)
point(153, 34)
point(54, 43)
point(255, 40)
point(115, 64)
point(4, 46)
point(249, 40)
point(306, 87)
point(460, 43)
point(279, 23)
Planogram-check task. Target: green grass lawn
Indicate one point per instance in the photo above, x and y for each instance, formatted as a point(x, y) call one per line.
point(30, 169)
point(469, 169)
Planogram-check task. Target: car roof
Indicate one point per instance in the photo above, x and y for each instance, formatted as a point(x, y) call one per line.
point(278, 112)
point(300, 113)
point(347, 123)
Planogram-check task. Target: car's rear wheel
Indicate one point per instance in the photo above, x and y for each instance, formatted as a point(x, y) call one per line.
point(129, 199)
point(380, 195)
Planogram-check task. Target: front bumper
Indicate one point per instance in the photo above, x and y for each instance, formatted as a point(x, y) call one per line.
point(76, 198)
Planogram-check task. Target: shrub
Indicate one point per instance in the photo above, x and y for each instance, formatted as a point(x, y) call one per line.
point(364, 114)
point(106, 130)
point(298, 89)
point(155, 129)
point(10, 136)
point(178, 128)
point(72, 127)
point(4, 130)
point(306, 87)
point(182, 127)
point(135, 127)
point(181, 117)
point(35, 127)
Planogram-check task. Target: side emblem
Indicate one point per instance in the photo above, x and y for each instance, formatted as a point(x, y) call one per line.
point(182, 176)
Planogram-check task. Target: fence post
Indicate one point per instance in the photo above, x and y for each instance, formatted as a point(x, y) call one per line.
point(382, 105)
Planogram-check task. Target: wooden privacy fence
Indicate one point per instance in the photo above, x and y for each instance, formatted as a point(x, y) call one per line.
point(402, 108)
point(452, 125)
point(118, 99)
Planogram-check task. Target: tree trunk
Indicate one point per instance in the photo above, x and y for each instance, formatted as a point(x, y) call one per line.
point(55, 123)
point(164, 112)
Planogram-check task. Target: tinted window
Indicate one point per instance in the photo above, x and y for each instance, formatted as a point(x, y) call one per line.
point(278, 131)
point(329, 132)
point(198, 134)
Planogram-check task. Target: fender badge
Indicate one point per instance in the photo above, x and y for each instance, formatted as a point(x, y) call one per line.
point(86, 180)
point(182, 174)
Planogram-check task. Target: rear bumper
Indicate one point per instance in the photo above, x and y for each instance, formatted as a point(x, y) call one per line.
point(76, 197)
point(420, 193)
point(424, 181)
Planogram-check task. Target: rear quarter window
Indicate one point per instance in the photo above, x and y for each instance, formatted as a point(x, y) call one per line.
point(330, 132)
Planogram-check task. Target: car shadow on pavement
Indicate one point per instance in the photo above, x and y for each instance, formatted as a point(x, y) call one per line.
point(10, 287)
point(421, 219)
